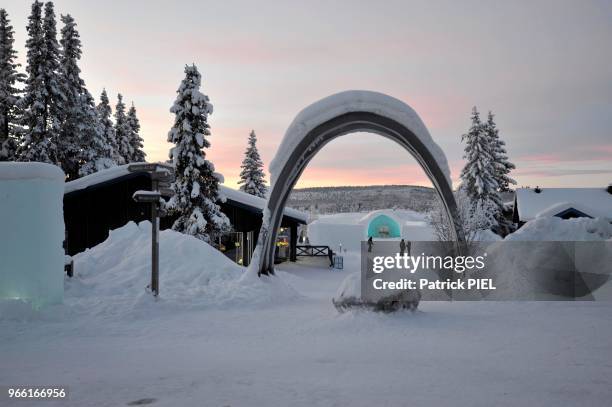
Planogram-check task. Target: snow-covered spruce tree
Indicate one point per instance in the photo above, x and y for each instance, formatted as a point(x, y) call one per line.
point(477, 176)
point(9, 93)
point(196, 187)
point(81, 142)
point(252, 176)
point(122, 131)
point(41, 94)
point(105, 112)
point(502, 165)
point(501, 171)
point(136, 142)
point(97, 152)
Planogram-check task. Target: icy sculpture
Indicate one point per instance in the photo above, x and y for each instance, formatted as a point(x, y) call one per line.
point(31, 233)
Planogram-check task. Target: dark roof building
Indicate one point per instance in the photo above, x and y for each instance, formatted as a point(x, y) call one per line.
point(98, 203)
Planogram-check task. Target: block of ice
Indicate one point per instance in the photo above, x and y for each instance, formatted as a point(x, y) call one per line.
point(31, 233)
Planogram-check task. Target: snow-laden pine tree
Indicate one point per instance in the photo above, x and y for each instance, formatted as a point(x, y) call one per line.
point(122, 131)
point(81, 139)
point(252, 176)
point(502, 164)
point(97, 152)
point(9, 92)
point(41, 96)
point(105, 112)
point(477, 176)
point(136, 142)
point(196, 187)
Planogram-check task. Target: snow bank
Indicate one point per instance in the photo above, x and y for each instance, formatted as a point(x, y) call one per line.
point(557, 229)
point(354, 101)
point(31, 234)
point(111, 277)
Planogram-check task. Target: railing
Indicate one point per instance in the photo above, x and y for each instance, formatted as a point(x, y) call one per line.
point(312, 251)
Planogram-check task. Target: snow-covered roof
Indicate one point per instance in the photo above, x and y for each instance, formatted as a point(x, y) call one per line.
point(257, 202)
point(354, 101)
point(30, 170)
point(96, 178)
point(595, 202)
point(224, 191)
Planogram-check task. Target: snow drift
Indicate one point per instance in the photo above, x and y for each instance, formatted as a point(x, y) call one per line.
point(111, 277)
point(551, 228)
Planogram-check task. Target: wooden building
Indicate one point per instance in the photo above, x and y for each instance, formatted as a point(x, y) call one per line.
point(98, 203)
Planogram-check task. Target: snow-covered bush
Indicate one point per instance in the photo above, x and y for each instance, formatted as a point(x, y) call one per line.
point(348, 297)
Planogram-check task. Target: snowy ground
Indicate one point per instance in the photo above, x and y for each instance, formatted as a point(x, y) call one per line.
point(303, 353)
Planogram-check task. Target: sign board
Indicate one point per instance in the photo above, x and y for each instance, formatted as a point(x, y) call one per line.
point(166, 192)
point(146, 196)
point(142, 167)
point(151, 167)
point(162, 177)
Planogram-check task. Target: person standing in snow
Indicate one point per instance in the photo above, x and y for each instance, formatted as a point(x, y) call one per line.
point(370, 244)
point(402, 247)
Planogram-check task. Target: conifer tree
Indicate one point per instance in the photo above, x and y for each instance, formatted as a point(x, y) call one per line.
point(9, 93)
point(252, 176)
point(81, 137)
point(136, 142)
point(477, 176)
point(104, 112)
point(196, 187)
point(502, 165)
point(122, 132)
point(38, 143)
point(97, 152)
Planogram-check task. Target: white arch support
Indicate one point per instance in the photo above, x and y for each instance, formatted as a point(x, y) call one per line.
point(335, 116)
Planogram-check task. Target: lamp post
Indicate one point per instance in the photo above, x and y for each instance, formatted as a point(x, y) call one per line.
point(162, 176)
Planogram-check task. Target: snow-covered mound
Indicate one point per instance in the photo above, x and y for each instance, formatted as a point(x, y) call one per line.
point(556, 229)
point(111, 277)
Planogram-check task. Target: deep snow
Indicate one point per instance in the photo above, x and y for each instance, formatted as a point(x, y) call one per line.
point(303, 353)
point(112, 344)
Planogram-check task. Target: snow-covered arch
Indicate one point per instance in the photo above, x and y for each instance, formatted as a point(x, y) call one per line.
point(335, 116)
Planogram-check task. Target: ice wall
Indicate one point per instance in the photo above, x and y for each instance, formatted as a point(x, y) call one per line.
point(31, 233)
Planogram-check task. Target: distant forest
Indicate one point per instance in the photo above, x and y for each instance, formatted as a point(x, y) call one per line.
point(323, 200)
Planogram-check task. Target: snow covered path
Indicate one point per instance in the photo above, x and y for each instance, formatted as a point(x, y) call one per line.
point(306, 354)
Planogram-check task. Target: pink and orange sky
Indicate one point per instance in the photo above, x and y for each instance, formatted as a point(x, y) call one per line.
point(543, 67)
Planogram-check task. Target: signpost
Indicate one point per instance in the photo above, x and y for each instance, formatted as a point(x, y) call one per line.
point(160, 174)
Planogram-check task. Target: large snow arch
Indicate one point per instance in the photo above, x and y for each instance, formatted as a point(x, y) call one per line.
point(335, 116)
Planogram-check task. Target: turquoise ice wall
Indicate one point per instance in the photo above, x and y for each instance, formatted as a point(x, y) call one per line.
point(31, 233)
point(381, 223)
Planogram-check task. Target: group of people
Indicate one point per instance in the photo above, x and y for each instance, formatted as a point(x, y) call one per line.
point(404, 245)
